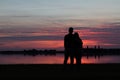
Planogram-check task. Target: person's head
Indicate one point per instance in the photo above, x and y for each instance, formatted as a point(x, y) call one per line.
point(76, 34)
point(70, 30)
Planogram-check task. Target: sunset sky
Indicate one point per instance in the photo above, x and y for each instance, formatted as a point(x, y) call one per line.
point(42, 24)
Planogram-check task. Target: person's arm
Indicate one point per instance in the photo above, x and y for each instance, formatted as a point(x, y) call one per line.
point(81, 43)
point(65, 42)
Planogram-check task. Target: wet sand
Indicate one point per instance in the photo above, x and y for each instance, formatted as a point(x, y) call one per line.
point(84, 71)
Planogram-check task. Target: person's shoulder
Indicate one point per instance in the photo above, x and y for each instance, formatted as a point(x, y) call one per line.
point(66, 35)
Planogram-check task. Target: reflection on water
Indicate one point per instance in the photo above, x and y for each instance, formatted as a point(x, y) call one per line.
point(58, 59)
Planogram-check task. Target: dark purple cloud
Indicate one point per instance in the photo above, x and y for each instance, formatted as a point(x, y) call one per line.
point(31, 38)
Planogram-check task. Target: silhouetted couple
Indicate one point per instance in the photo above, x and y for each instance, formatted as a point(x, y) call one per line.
point(73, 46)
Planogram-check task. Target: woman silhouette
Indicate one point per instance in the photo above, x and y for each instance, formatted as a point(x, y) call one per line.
point(78, 44)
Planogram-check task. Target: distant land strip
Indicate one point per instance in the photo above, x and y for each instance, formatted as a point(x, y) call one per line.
point(85, 52)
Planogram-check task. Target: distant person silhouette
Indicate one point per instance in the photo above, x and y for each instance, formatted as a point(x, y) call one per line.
point(69, 46)
point(78, 45)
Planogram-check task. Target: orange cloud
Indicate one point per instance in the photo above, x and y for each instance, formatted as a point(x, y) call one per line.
point(35, 44)
point(47, 44)
point(90, 42)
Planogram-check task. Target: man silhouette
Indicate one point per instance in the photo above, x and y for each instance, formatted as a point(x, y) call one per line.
point(69, 46)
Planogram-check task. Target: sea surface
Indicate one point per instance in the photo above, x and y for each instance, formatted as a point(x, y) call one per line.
point(55, 59)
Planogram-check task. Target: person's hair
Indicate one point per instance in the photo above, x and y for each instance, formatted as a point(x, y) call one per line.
point(76, 34)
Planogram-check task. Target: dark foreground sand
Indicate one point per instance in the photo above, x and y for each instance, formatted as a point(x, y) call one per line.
point(85, 71)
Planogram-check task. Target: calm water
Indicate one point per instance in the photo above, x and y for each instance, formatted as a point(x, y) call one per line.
point(58, 59)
